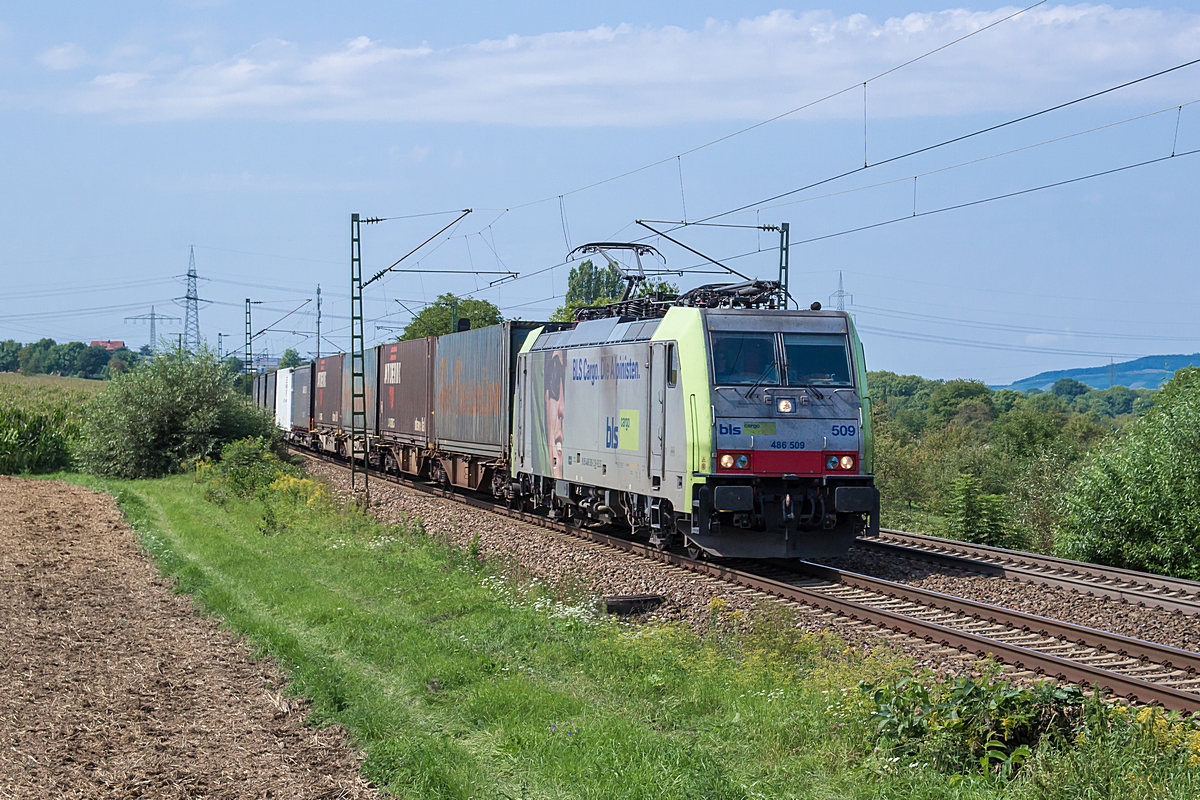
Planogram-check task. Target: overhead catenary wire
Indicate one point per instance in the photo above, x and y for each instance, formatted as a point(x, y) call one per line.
point(783, 115)
point(953, 140)
point(993, 198)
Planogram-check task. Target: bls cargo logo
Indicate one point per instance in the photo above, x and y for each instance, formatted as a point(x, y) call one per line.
point(622, 432)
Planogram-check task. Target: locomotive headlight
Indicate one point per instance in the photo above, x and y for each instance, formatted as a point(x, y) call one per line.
point(847, 462)
point(831, 462)
point(785, 405)
point(742, 461)
point(727, 461)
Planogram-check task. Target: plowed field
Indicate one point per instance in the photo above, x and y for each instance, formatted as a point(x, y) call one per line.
point(113, 686)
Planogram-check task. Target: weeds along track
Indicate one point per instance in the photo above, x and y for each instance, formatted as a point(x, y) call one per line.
point(1139, 588)
point(1140, 671)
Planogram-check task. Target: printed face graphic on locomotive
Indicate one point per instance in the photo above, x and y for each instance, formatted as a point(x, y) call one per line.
point(554, 393)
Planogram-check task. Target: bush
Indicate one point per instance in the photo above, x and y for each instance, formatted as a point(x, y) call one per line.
point(251, 465)
point(169, 411)
point(975, 725)
point(973, 516)
point(34, 441)
point(1136, 502)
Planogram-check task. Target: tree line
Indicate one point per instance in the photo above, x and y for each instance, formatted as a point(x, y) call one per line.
point(69, 359)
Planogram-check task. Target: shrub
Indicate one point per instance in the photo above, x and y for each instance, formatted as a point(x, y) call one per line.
point(969, 724)
point(1136, 502)
point(167, 412)
point(973, 516)
point(34, 441)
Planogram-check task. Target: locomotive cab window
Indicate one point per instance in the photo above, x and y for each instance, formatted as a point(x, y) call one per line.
point(817, 359)
point(672, 366)
point(744, 359)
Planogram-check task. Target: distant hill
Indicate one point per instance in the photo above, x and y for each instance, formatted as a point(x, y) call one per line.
point(1149, 372)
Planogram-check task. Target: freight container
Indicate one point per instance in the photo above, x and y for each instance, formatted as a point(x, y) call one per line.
point(269, 390)
point(327, 393)
point(283, 399)
point(302, 398)
point(256, 392)
point(406, 391)
point(472, 399)
point(370, 379)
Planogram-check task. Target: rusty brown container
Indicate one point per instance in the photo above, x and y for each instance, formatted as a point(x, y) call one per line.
point(472, 397)
point(406, 391)
point(370, 382)
point(302, 397)
point(327, 393)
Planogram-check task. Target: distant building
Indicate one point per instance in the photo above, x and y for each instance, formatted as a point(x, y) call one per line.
point(108, 344)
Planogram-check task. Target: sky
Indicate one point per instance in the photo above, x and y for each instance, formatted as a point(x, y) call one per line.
point(965, 227)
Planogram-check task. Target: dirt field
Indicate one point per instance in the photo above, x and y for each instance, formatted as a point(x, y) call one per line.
point(111, 686)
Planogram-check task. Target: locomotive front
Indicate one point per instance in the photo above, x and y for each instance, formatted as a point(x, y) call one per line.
point(791, 446)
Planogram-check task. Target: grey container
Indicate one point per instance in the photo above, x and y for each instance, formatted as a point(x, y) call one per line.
point(302, 398)
point(472, 395)
point(406, 391)
point(370, 381)
point(327, 393)
point(268, 400)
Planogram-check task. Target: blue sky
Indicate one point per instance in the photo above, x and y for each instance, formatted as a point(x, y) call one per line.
point(253, 131)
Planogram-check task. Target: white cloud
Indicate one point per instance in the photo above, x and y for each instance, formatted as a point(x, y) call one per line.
point(744, 70)
point(64, 56)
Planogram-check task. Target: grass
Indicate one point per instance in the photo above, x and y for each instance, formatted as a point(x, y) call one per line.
point(458, 681)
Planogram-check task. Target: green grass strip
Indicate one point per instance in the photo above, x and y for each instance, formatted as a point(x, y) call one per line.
point(459, 683)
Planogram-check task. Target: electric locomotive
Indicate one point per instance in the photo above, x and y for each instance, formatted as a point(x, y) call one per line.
point(716, 420)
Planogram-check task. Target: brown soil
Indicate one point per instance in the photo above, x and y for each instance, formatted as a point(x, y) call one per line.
point(112, 686)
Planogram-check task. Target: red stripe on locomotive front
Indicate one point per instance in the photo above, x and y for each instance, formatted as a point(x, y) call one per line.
point(786, 462)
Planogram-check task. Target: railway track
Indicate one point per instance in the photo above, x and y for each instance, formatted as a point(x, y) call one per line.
point(1139, 671)
point(1140, 588)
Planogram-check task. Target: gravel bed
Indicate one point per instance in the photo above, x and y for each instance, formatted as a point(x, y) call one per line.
point(559, 559)
point(1163, 627)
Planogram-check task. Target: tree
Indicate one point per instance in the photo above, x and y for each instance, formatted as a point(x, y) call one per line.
point(290, 358)
point(35, 357)
point(1135, 503)
point(64, 358)
point(588, 285)
point(121, 360)
point(9, 352)
point(437, 318)
point(945, 399)
point(1069, 388)
point(92, 361)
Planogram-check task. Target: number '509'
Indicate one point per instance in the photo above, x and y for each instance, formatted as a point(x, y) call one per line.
point(844, 430)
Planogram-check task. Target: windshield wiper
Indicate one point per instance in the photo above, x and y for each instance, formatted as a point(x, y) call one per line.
point(760, 380)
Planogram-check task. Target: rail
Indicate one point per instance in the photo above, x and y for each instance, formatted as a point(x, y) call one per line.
point(1141, 588)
